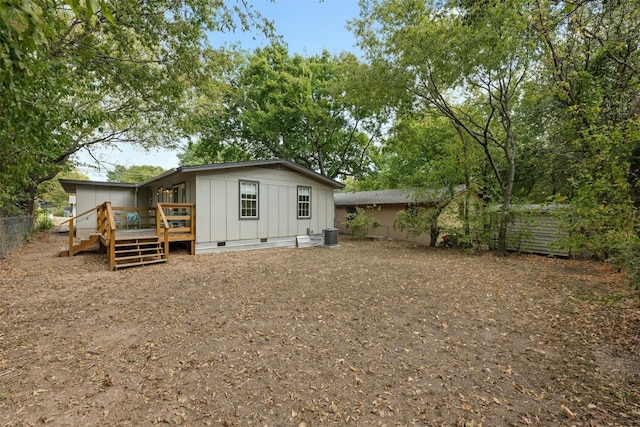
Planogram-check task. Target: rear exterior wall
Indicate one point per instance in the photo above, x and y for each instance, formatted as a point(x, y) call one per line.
point(386, 216)
point(218, 222)
point(90, 196)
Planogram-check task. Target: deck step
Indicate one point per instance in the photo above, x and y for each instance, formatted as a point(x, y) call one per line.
point(153, 244)
point(139, 251)
point(139, 263)
point(129, 242)
point(82, 246)
point(139, 256)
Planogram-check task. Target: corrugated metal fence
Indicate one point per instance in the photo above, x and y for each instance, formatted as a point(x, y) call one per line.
point(13, 233)
point(532, 229)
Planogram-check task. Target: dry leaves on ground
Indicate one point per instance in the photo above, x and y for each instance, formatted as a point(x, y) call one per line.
point(381, 333)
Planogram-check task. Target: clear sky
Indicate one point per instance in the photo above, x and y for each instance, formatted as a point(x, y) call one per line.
point(307, 26)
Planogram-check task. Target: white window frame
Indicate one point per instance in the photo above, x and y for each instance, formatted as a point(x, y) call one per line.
point(246, 199)
point(303, 206)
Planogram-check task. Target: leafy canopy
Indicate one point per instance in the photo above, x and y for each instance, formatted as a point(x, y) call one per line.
point(79, 74)
point(305, 109)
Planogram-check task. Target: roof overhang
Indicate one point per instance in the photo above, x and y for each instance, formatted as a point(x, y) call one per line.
point(70, 185)
point(269, 163)
point(407, 196)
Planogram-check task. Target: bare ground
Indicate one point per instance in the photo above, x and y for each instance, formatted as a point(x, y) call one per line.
point(375, 333)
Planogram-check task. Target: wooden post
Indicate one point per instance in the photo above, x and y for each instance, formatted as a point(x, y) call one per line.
point(158, 210)
point(71, 233)
point(166, 244)
point(192, 221)
point(161, 216)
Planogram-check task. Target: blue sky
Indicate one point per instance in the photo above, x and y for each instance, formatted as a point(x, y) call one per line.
point(307, 26)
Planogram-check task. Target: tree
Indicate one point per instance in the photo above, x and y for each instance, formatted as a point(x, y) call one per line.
point(136, 174)
point(53, 195)
point(423, 149)
point(426, 152)
point(307, 110)
point(76, 74)
point(592, 63)
point(468, 62)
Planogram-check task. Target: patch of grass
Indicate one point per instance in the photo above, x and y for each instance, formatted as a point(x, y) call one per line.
point(604, 299)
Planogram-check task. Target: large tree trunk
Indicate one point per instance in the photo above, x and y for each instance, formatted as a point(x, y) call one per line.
point(434, 233)
point(501, 248)
point(507, 190)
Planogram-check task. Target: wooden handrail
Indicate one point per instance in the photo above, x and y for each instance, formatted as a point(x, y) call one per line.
point(161, 216)
point(107, 225)
point(72, 222)
point(176, 205)
point(187, 212)
point(82, 214)
point(110, 219)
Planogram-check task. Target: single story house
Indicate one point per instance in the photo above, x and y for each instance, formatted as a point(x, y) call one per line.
point(384, 206)
point(228, 206)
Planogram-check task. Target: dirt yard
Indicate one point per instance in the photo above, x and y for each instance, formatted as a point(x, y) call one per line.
point(375, 333)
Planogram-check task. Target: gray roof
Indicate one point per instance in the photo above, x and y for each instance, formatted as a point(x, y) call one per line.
point(268, 163)
point(69, 185)
point(390, 197)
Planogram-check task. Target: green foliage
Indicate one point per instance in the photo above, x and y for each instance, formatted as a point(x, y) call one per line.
point(468, 64)
point(418, 220)
point(591, 59)
point(43, 222)
point(631, 259)
point(457, 240)
point(78, 74)
point(423, 150)
point(51, 192)
point(135, 173)
point(209, 151)
point(305, 109)
point(625, 254)
point(361, 222)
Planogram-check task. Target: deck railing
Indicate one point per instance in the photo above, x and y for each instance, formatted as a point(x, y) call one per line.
point(180, 222)
point(173, 222)
point(107, 228)
point(162, 223)
point(73, 221)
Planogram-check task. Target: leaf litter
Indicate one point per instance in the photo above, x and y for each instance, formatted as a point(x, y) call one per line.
point(381, 333)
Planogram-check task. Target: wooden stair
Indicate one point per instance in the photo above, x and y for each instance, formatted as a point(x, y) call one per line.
point(132, 252)
point(84, 245)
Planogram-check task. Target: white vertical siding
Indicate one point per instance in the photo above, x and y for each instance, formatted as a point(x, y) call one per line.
point(229, 227)
point(90, 196)
point(217, 206)
point(282, 211)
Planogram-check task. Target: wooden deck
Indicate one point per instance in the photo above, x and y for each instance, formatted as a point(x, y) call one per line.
point(136, 236)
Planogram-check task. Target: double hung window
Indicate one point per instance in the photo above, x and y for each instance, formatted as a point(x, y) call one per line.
point(304, 202)
point(248, 200)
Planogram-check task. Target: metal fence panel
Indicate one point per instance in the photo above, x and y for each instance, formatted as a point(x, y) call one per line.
point(14, 232)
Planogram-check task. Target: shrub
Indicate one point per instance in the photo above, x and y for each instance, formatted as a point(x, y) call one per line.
point(44, 223)
point(456, 240)
point(361, 222)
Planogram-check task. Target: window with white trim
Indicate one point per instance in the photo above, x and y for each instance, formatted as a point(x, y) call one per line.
point(304, 202)
point(248, 200)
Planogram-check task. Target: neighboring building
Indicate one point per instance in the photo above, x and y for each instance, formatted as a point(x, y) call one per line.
point(244, 205)
point(384, 206)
